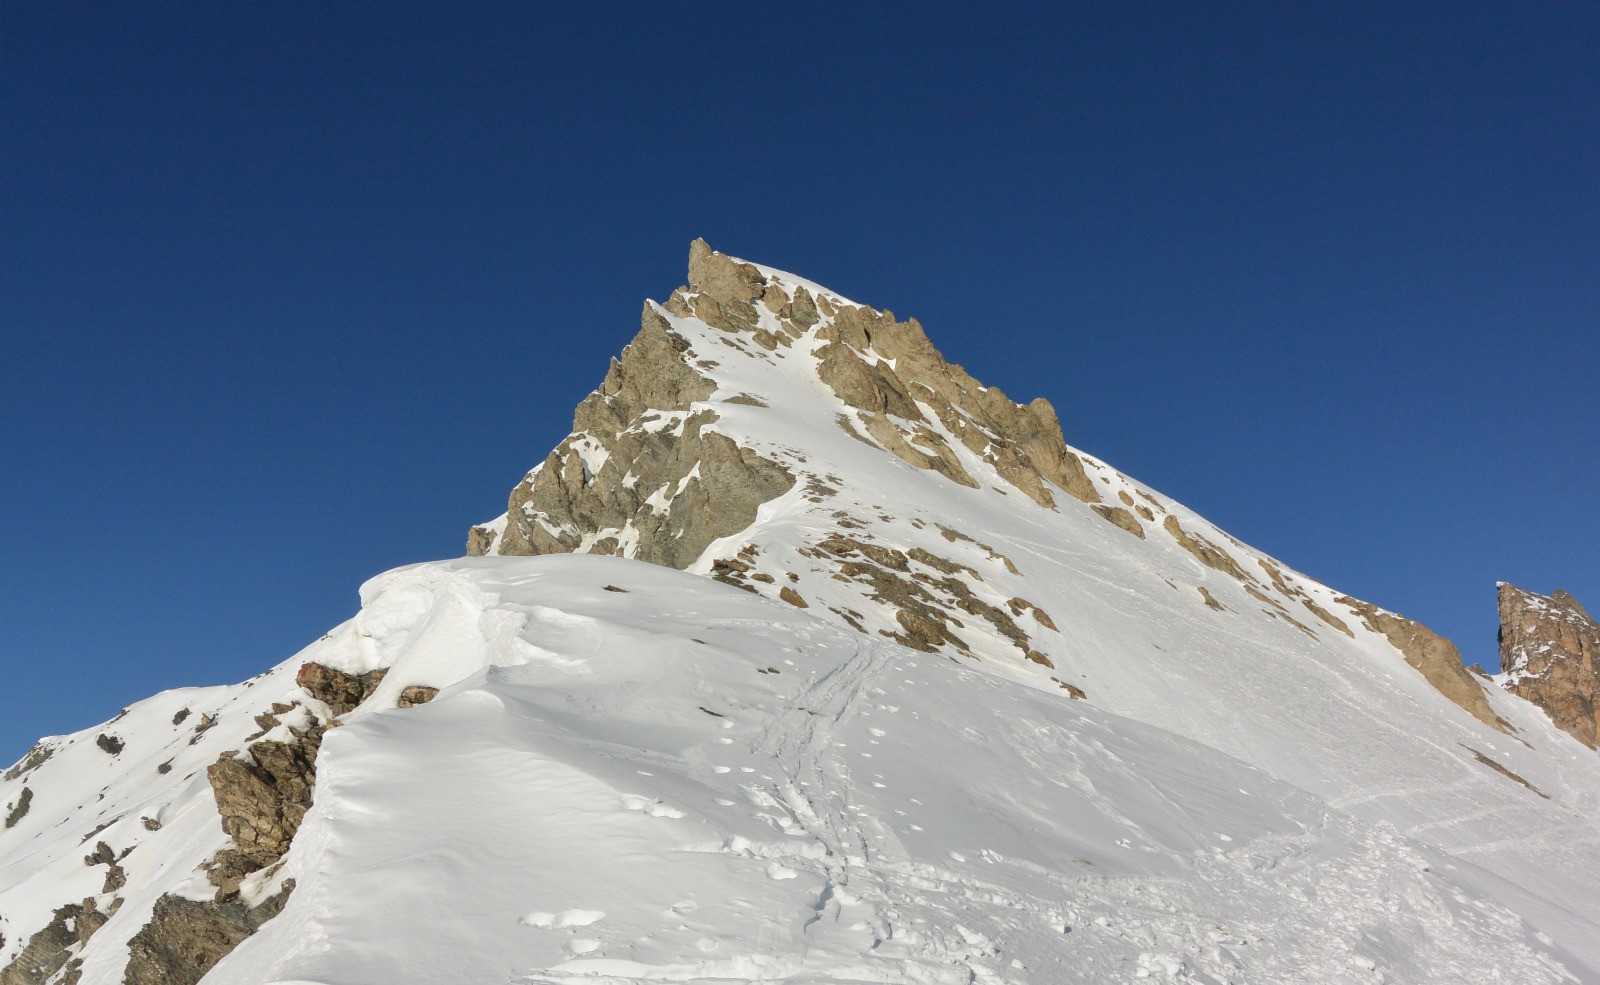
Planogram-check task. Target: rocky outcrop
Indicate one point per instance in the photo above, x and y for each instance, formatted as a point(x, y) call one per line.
point(1435, 657)
point(1204, 551)
point(19, 809)
point(415, 694)
point(340, 691)
point(54, 953)
point(186, 938)
point(51, 954)
point(36, 757)
point(1550, 655)
point(1120, 517)
point(262, 796)
point(647, 474)
point(926, 592)
point(909, 399)
point(643, 474)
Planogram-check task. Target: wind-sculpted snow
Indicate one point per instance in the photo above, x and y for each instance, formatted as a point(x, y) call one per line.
point(633, 774)
point(682, 782)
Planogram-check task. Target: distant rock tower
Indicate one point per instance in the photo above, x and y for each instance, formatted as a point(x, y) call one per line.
point(1550, 654)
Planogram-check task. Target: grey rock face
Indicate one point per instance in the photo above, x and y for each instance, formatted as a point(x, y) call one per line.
point(1550, 654)
point(185, 938)
point(54, 948)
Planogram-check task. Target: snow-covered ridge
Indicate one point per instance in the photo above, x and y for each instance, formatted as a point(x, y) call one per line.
point(633, 774)
point(934, 698)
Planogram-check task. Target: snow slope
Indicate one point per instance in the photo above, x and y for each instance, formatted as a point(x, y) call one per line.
point(638, 774)
point(684, 782)
point(1262, 678)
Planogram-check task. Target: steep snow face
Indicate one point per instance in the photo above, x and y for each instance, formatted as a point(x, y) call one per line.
point(634, 774)
point(919, 506)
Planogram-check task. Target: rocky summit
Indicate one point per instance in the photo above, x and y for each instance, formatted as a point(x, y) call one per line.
point(1550, 655)
point(807, 657)
point(673, 459)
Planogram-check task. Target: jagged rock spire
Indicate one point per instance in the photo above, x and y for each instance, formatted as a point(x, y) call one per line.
point(1550, 654)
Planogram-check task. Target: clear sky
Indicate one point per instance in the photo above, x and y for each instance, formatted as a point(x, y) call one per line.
point(293, 293)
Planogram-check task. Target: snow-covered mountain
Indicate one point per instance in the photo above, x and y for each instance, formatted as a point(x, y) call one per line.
point(934, 698)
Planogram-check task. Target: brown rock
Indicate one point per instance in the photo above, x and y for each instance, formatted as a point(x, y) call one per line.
point(1550, 654)
point(263, 798)
point(186, 938)
point(1508, 774)
point(1435, 657)
point(1121, 518)
point(563, 499)
point(1203, 550)
point(416, 694)
point(611, 473)
point(1328, 617)
point(1077, 693)
point(340, 691)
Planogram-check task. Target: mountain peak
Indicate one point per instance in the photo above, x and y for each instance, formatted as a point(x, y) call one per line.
point(773, 434)
point(972, 695)
point(658, 464)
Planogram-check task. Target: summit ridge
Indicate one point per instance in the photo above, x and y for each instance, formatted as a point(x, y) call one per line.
point(807, 657)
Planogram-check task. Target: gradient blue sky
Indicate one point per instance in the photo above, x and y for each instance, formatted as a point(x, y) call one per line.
point(292, 294)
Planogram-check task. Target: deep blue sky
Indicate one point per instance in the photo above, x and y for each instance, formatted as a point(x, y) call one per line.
point(291, 295)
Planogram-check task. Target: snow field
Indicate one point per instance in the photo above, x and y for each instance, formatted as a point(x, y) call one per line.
point(885, 816)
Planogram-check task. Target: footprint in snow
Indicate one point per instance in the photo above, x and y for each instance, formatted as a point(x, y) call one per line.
point(566, 918)
point(651, 806)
